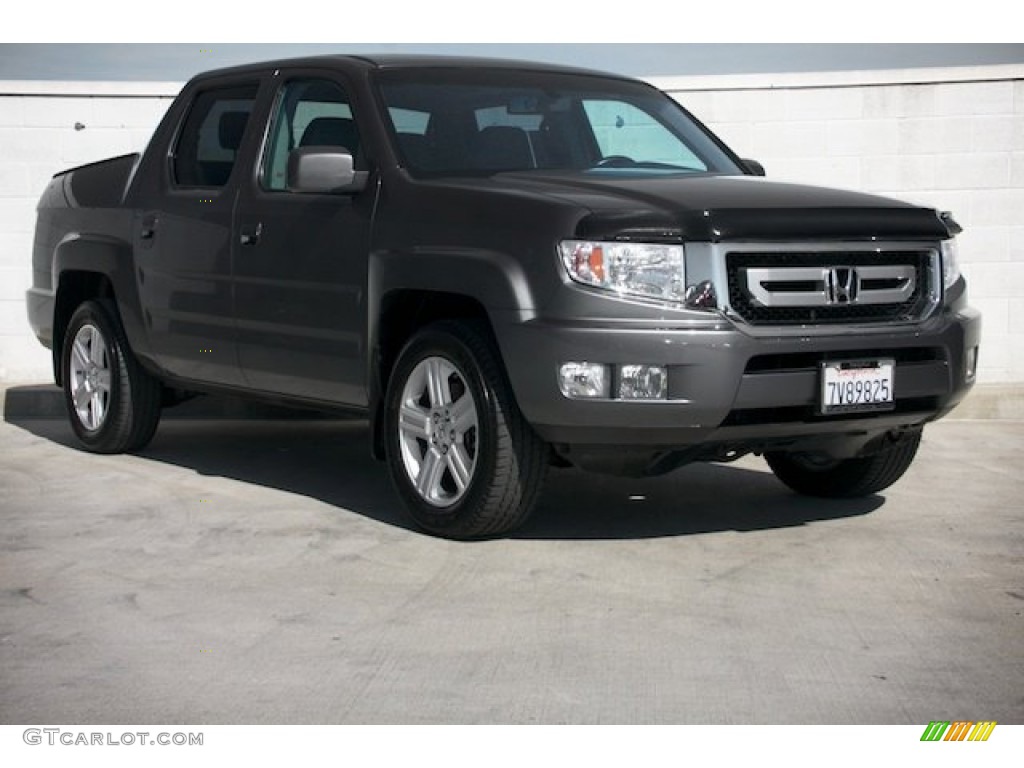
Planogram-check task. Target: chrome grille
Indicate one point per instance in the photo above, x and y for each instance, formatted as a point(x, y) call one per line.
point(835, 286)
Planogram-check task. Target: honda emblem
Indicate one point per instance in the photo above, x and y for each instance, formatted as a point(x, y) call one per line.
point(841, 285)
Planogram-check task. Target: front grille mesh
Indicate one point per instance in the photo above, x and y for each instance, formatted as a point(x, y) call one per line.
point(754, 313)
point(811, 361)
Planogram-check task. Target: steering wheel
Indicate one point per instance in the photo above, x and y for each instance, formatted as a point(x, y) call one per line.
point(616, 161)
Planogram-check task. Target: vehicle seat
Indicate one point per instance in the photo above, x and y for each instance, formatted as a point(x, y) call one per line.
point(550, 146)
point(502, 148)
point(331, 132)
point(417, 150)
point(230, 130)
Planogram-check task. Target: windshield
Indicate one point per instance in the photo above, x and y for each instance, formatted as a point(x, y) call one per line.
point(483, 121)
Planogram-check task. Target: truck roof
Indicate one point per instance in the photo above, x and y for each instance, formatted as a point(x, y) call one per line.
point(367, 61)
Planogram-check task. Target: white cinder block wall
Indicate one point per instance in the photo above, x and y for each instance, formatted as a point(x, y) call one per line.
point(952, 139)
point(949, 138)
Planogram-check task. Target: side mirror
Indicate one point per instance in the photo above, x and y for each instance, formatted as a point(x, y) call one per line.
point(752, 167)
point(323, 170)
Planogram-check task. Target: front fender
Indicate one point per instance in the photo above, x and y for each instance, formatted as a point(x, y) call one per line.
point(497, 280)
point(492, 281)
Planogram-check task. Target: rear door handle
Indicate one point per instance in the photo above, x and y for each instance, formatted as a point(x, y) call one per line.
point(148, 228)
point(253, 237)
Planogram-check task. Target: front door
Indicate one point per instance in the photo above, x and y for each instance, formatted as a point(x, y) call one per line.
point(301, 265)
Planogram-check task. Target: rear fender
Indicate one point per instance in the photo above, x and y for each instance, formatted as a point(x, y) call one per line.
point(81, 265)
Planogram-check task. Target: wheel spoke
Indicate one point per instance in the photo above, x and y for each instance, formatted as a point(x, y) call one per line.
point(460, 465)
point(81, 395)
point(79, 355)
point(463, 414)
point(428, 483)
point(437, 383)
point(96, 349)
point(96, 410)
point(414, 421)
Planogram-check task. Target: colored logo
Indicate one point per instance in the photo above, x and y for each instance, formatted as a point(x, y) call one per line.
point(959, 730)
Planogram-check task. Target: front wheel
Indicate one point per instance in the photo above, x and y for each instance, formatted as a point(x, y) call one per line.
point(845, 478)
point(463, 458)
point(113, 404)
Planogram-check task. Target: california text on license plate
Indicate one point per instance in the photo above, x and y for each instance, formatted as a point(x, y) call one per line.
point(861, 385)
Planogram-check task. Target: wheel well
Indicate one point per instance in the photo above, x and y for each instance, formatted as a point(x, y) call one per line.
point(404, 312)
point(74, 288)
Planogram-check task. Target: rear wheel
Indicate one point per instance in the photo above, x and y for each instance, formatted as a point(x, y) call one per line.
point(463, 458)
point(812, 475)
point(113, 404)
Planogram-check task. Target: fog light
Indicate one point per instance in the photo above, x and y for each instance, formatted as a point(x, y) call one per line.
point(971, 366)
point(643, 382)
point(584, 380)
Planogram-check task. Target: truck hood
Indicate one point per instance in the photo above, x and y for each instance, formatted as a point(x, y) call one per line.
point(727, 208)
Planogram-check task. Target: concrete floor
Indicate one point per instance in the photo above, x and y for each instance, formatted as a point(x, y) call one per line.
point(262, 572)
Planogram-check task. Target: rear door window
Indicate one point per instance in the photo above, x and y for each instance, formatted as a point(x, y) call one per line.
point(208, 145)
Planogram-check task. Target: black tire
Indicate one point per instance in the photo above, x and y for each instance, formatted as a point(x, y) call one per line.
point(126, 415)
point(845, 478)
point(508, 460)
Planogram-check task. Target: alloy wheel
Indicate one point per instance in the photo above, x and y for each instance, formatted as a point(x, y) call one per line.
point(438, 427)
point(90, 377)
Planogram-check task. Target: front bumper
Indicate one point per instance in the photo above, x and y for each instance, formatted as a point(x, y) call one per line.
point(728, 386)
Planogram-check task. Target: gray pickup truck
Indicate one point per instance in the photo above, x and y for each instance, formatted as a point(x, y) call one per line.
point(505, 266)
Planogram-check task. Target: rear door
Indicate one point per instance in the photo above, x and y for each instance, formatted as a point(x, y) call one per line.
point(183, 238)
point(301, 271)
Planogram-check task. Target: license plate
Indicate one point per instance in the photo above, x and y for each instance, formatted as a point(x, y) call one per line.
point(862, 385)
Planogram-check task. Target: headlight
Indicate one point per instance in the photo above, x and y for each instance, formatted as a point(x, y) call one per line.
point(650, 270)
point(950, 262)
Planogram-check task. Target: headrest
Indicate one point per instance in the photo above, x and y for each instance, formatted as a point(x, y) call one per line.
point(231, 129)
